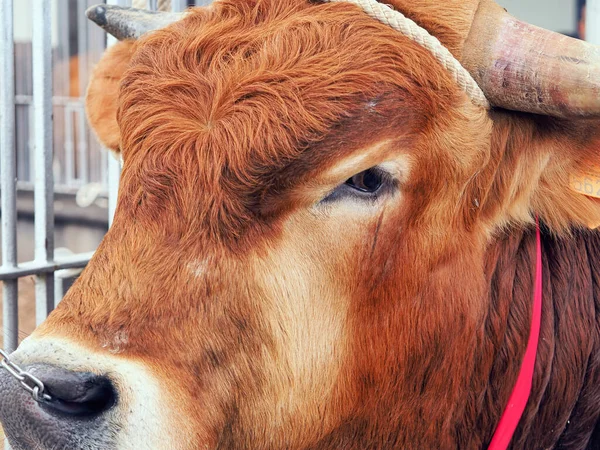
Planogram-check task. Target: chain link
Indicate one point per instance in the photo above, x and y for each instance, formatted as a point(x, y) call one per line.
point(30, 383)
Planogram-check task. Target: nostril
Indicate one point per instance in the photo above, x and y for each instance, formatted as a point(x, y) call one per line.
point(99, 396)
point(77, 394)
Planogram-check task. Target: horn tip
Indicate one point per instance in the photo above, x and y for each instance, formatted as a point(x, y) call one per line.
point(97, 14)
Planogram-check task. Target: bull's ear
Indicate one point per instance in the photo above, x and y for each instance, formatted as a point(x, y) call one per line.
point(568, 192)
point(535, 165)
point(103, 93)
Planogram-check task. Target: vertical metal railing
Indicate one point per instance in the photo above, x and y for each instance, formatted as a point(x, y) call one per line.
point(8, 175)
point(114, 165)
point(8, 178)
point(83, 69)
point(69, 146)
point(44, 181)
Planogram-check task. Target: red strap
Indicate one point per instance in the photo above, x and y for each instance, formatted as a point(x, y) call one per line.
point(520, 394)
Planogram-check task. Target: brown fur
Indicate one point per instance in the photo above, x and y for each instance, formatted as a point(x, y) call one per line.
point(296, 325)
point(104, 89)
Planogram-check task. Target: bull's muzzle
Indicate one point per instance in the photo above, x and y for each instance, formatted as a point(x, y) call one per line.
point(74, 417)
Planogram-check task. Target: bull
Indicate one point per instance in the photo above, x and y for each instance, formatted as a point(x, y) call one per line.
point(322, 242)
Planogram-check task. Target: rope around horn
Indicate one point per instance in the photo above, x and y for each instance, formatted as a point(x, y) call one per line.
point(410, 29)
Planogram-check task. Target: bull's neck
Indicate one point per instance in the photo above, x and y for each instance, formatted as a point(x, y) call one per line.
point(563, 409)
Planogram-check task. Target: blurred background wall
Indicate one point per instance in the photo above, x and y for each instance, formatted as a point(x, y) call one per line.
point(555, 15)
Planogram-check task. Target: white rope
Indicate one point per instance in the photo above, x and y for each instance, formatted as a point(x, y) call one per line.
point(410, 29)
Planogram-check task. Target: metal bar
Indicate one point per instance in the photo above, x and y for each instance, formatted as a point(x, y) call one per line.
point(60, 188)
point(82, 46)
point(57, 100)
point(592, 27)
point(34, 267)
point(82, 145)
point(98, 162)
point(30, 132)
point(114, 166)
point(8, 179)
point(44, 296)
point(63, 53)
point(8, 175)
point(59, 290)
point(44, 195)
point(22, 140)
point(69, 147)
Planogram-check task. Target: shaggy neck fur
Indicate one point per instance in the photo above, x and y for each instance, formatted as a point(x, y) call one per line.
point(563, 408)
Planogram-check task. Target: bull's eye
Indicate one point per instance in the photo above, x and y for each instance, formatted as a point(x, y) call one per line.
point(368, 181)
point(366, 185)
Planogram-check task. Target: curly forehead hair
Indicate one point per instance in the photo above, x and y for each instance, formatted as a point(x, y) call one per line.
point(253, 88)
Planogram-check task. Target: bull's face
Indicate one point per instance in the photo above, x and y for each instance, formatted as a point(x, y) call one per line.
point(296, 257)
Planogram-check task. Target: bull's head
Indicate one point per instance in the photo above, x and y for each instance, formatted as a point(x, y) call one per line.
point(298, 255)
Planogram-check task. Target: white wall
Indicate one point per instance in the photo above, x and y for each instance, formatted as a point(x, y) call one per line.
point(555, 15)
point(593, 21)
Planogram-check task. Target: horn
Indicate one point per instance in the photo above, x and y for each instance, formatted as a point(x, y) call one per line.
point(525, 68)
point(129, 23)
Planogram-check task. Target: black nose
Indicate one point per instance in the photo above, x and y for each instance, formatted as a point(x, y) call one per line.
point(80, 414)
point(76, 394)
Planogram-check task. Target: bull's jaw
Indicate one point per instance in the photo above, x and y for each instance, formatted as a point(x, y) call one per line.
point(143, 417)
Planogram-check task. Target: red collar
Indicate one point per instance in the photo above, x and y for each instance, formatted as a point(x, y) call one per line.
point(520, 394)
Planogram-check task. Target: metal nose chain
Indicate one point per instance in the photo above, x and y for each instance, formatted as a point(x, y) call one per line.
point(30, 383)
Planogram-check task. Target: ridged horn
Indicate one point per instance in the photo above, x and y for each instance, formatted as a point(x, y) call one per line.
point(525, 68)
point(129, 23)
